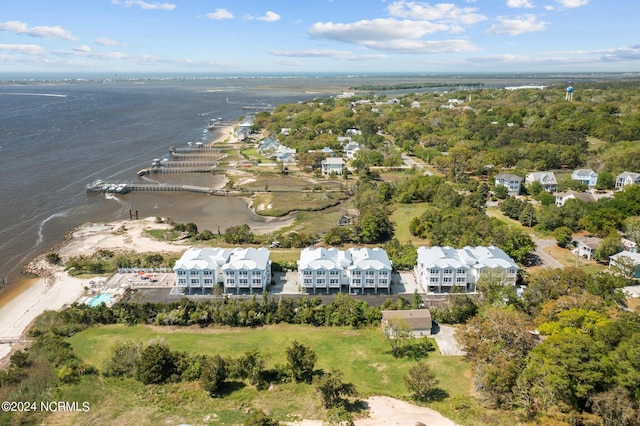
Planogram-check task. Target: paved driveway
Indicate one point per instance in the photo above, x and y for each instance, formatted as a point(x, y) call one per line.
point(446, 341)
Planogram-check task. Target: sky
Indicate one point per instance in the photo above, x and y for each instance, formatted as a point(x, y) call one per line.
point(316, 36)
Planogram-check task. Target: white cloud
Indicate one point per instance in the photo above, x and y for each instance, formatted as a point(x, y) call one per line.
point(145, 5)
point(83, 49)
point(102, 41)
point(17, 27)
point(570, 4)
point(520, 25)
point(375, 30)
point(27, 49)
point(343, 55)
point(269, 17)
point(219, 14)
point(443, 12)
point(519, 3)
point(312, 53)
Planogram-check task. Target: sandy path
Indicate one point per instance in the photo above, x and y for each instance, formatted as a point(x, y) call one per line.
point(386, 411)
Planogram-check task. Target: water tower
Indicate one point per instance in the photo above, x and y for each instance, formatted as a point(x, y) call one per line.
point(569, 96)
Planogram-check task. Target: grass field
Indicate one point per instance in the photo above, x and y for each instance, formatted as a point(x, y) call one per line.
point(362, 355)
point(401, 217)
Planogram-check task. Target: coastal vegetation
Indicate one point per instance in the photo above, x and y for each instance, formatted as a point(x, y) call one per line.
point(563, 352)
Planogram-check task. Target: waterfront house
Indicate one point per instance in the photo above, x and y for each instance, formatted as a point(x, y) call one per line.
point(562, 197)
point(509, 181)
point(201, 269)
point(585, 176)
point(440, 269)
point(546, 179)
point(627, 178)
point(354, 270)
point(247, 270)
point(418, 320)
point(333, 165)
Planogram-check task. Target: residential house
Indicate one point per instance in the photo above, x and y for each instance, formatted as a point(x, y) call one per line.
point(237, 270)
point(355, 270)
point(351, 148)
point(585, 176)
point(587, 246)
point(333, 165)
point(627, 262)
point(627, 178)
point(439, 269)
point(247, 269)
point(511, 182)
point(562, 197)
point(199, 268)
point(546, 179)
point(418, 320)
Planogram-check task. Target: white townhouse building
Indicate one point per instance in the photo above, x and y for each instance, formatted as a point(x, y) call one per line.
point(627, 178)
point(333, 165)
point(354, 269)
point(509, 181)
point(546, 179)
point(238, 269)
point(199, 268)
point(439, 269)
point(247, 269)
point(585, 176)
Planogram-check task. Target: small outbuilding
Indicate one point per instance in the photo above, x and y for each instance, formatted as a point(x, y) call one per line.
point(419, 320)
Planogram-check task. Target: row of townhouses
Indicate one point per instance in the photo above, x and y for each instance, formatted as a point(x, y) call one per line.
point(356, 270)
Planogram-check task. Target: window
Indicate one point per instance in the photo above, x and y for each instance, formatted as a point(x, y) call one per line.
point(194, 272)
point(254, 273)
point(243, 281)
point(448, 271)
point(356, 281)
point(461, 271)
point(460, 280)
point(370, 273)
point(446, 280)
point(195, 281)
point(382, 281)
point(308, 280)
point(370, 282)
point(434, 271)
point(243, 273)
point(320, 281)
point(383, 273)
point(434, 279)
point(333, 281)
point(182, 281)
point(207, 272)
point(229, 273)
point(356, 273)
point(320, 273)
point(181, 272)
point(306, 273)
point(231, 281)
point(208, 281)
point(334, 272)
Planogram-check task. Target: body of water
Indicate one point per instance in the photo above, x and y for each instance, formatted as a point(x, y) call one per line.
point(57, 138)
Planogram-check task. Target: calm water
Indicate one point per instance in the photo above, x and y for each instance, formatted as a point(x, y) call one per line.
point(55, 139)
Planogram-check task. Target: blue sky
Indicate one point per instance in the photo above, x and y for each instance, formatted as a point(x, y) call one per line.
point(297, 36)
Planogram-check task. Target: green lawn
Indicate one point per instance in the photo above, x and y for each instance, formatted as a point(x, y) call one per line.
point(401, 217)
point(363, 356)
